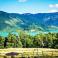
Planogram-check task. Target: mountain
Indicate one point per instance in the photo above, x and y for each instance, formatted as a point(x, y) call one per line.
point(28, 21)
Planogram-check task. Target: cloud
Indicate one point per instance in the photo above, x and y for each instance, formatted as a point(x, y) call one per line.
point(22, 0)
point(53, 5)
point(56, 5)
point(53, 10)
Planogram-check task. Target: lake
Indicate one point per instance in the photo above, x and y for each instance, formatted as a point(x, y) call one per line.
point(32, 33)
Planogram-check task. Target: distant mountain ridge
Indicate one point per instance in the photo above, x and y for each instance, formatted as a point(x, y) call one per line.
point(28, 21)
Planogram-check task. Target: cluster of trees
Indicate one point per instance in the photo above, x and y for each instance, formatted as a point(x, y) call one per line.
point(49, 40)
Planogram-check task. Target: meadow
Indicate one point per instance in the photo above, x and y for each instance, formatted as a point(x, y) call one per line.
point(29, 53)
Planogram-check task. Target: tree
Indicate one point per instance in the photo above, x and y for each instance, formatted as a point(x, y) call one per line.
point(2, 39)
point(5, 42)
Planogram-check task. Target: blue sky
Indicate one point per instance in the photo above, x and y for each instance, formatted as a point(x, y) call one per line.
point(29, 6)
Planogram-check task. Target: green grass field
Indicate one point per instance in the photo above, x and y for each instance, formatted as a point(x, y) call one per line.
point(30, 52)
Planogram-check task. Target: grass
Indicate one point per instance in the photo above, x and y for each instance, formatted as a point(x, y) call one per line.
point(30, 52)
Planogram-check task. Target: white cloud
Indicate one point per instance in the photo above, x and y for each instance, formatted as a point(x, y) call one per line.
point(53, 10)
point(56, 5)
point(53, 5)
point(22, 0)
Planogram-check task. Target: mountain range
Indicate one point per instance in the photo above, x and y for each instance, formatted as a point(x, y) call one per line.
point(28, 21)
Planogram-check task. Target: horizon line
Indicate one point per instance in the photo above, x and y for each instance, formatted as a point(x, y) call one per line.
point(27, 13)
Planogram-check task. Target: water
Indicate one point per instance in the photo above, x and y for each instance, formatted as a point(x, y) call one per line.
point(5, 34)
point(33, 33)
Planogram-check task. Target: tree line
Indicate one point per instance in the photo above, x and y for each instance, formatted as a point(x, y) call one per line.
point(49, 40)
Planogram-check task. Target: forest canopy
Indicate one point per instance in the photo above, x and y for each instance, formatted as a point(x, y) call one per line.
point(49, 40)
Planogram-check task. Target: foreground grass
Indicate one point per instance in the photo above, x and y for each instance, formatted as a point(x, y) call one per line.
point(30, 52)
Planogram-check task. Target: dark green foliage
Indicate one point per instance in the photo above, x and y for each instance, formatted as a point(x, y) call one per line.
point(49, 40)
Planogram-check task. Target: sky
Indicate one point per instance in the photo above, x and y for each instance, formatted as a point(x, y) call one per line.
point(29, 6)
